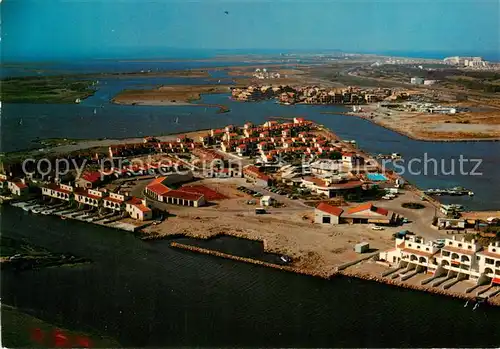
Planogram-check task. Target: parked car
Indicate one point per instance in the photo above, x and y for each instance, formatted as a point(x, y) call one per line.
point(376, 227)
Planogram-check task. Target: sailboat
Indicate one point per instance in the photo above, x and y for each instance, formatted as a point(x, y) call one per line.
point(95, 111)
point(21, 122)
point(177, 120)
point(78, 100)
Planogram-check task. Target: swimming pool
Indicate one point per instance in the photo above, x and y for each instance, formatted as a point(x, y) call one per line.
point(377, 177)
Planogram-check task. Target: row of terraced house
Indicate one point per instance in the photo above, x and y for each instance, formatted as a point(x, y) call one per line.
point(460, 258)
point(99, 198)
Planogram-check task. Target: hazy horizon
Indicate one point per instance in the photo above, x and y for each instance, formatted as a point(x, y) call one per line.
point(170, 28)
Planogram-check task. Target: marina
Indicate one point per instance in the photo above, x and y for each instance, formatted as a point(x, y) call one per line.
point(456, 191)
point(181, 279)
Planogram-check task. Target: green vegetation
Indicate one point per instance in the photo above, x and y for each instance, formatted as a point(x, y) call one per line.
point(20, 330)
point(21, 255)
point(45, 89)
point(413, 205)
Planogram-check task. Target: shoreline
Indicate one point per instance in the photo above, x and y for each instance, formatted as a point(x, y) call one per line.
point(337, 272)
point(325, 270)
point(413, 137)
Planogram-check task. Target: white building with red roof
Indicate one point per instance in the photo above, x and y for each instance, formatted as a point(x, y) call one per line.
point(158, 190)
point(327, 214)
point(89, 180)
point(368, 213)
point(58, 191)
point(489, 261)
point(138, 209)
point(18, 187)
point(115, 201)
point(89, 197)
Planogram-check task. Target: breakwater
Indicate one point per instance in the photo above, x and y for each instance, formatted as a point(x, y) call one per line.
point(434, 290)
point(340, 271)
point(249, 260)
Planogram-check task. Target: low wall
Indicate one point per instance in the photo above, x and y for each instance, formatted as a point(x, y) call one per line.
point(369, 277)
point(247, 260)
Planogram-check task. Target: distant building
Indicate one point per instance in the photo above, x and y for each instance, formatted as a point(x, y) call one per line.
point(61, 191)
point(417, 80)
point(158, 190)
point(266, 201)
point(89, 180)
point(18, 187)
point(327, 214)
point(138, 209)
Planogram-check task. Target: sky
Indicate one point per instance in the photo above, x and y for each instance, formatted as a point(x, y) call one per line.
point(52, 29)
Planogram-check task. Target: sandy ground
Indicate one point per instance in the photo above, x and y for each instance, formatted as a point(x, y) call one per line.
point(88, 144)
point(288, 230)
point(481, 214)
point(423, 126)
point(166, 95)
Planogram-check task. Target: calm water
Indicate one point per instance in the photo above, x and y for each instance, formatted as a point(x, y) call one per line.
point(114, 121)
point(147, 294)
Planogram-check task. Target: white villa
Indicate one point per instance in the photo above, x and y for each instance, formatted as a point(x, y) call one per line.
point(61, 191)
point(115, 201)
point(458, 259)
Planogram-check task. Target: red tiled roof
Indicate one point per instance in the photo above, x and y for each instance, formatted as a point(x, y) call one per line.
point(138, 203)
point(179, 194)
point(490, 254)
point(417, 252)
point(459, 250)
point(113, 200)
point(158, 188)
point(315, 181)
point(56, 187)
point(349, 185)
point(92, 176)
point(86, 194)
point(364, 207)
point(20, 185)
point(333, 210)
point(368, 206)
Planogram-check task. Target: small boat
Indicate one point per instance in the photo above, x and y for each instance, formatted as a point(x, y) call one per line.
point(285, 259)
point(466, 304)
point(470, 193)
point(64, 218)
point(78, 100)
point(476, 306)
point(95, 111)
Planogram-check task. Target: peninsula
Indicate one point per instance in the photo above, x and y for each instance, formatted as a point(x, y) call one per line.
point(319, 203)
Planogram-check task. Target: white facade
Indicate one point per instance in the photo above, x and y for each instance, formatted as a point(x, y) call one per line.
point(489, 260)
point(459, 256)
point(18, 188)
point(115, 201)
point(266, 201)
point(417, 80)
point(89, 197)
point(62, 191)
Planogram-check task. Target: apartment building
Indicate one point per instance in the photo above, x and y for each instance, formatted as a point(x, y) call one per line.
point(115, 201)
point(466, 258)
point(89, 197)
point(489, 260)
point(58, 191)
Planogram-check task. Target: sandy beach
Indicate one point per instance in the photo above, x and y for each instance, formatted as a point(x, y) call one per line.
point(470, 126)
